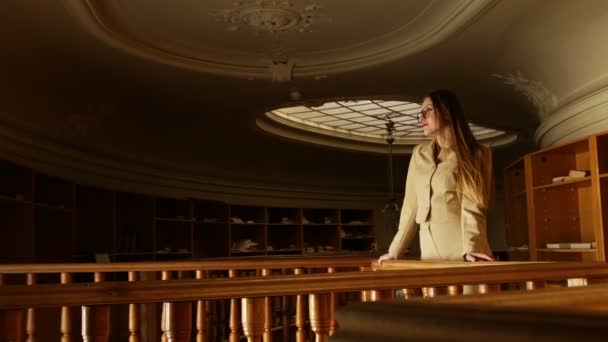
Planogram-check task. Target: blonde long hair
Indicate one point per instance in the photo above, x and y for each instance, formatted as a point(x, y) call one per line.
point(474, 170)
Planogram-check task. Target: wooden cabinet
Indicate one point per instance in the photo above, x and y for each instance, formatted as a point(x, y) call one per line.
point(565, 211)
point(48, 219)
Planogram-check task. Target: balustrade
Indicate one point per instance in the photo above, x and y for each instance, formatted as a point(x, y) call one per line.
point(264, 306)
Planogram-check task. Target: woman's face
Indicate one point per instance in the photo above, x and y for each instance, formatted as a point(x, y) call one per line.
point(428, 118)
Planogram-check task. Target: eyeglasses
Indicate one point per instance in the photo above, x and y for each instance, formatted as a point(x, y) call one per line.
point(425, 113)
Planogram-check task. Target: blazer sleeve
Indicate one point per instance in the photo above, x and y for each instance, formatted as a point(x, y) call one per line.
point(407, 221)
point(473, 217)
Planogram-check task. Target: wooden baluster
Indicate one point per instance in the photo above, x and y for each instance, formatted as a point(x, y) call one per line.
point(234, 314)
point(489, 288)
point(454, 290)
point(96, 323)
point(267, 311)
point(300, 313)
point(30, 325)
point(96, 319)
point(177, 321)
point(411, 293)
point(134, 326)
point(534, 285)
point(430, 292)
point(319, 307)
point(11, 325)
point(165, 275)
point(201, 314)
point(176, 318)
point(285, 308)
point(253, 313)
point(366, 295)
point(11, 322)
point(66, 315)
point(332, 307)
point(378, 295)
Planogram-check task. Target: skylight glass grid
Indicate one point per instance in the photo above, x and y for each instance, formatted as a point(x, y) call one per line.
point(365, 119)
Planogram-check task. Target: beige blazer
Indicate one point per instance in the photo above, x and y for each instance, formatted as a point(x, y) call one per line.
point(450, 224)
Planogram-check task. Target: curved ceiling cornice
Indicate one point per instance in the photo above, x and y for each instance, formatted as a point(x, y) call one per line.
point(277, 40)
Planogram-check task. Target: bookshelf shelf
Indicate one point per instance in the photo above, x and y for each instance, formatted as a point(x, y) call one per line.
point(47, 218)
point(567, 250)
point(564, 183)
point(570, 210)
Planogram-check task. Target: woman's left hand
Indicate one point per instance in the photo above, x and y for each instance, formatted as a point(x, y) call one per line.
point(474, 256)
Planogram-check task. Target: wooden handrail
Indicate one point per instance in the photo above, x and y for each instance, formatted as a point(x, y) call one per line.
point(23, 296)
point(587, 298)
point(425, 321)
point(425, 265)
point(242, 263)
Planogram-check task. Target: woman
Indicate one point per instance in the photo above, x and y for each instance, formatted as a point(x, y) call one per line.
point(448, 188)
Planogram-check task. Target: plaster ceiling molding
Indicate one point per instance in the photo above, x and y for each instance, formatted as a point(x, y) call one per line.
point(361, 125)
point(150, 177)
point(541, 98)
point(243, 38)
point(581, 118)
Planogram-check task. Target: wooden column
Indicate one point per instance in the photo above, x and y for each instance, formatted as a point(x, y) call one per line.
point(66, 315)
point(201, 314)
point(319, 307)
point(234, 314)
point(253, 318)
point(96, 319)
point(267, 311)
point(300, 313)
point(30, 323)
point(134, 326)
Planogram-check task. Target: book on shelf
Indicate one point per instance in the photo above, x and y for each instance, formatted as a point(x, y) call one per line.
point(572, 174)
point(571, 245)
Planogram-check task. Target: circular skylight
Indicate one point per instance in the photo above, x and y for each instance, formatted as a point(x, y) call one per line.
point(364, 121)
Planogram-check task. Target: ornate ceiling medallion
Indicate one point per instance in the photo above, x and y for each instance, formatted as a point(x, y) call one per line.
point(264, 16)
point(276, 40)
point(269, 19)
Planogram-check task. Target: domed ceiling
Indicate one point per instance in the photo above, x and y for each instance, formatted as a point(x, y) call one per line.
point(169, 93)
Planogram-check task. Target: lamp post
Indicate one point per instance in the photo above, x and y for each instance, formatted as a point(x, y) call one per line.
point(391, 209)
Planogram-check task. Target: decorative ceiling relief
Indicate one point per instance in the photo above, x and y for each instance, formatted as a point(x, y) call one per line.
point(243, 38)
point(543, 100)
point(270, 17)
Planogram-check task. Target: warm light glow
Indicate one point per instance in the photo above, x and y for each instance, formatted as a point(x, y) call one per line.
point(365, 120)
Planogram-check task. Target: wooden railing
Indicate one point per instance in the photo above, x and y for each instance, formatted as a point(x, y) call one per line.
point(188, 295)
point(214, 319)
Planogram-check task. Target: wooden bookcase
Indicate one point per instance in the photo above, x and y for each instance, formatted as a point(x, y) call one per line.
point(48, 219)
point(516, 211)
point(560, 212)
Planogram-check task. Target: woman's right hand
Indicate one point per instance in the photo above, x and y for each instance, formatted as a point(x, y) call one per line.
point(386, 256)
